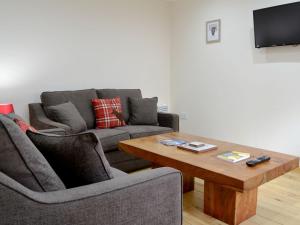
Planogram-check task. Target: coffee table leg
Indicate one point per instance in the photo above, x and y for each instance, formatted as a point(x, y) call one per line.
point(228, 205)
point(188, 181)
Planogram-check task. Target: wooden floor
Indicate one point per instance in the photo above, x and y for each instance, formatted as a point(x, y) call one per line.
point(278, 203)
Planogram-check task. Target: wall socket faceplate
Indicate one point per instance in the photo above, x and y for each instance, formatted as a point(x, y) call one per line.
point(183, 116)
point(163, 108)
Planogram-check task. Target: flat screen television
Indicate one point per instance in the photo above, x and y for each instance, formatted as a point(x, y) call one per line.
point(277, 26)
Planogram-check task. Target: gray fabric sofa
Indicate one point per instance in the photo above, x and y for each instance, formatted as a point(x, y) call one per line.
point(109, 137)
point(145, 198)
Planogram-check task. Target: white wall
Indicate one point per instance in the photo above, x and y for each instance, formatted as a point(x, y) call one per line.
point(68, 44)
point(230, 90)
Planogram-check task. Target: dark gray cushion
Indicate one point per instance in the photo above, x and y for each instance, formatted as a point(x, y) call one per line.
point(20, 160)
point(143, 111)
point(133, 165)
point(66, 113)
point(126, 162)
point(124, 94)
point(77, 159)
point(110, 138)
point(118, 156)
point(82, 99)
point(136, 131)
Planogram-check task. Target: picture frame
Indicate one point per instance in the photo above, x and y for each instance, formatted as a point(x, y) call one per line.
point(213, 31)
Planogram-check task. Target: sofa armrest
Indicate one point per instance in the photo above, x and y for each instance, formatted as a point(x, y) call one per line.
point(40, 121)
point(169, 120)
point(149, 197)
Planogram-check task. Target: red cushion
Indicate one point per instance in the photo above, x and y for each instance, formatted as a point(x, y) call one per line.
point(108, 113)
point(24, 126)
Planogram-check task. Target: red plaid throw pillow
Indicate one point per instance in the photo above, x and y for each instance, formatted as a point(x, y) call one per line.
point(108, 113)
point(24, 126)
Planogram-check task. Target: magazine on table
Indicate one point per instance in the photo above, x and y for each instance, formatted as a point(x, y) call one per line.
point(234, 156)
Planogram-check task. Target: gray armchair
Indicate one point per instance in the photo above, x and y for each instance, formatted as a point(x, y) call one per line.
point(31, 193)
point(151, 197)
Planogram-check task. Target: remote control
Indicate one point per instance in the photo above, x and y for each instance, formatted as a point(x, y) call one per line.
point(258, 160)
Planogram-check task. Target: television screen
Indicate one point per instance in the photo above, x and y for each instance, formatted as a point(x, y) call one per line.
point(277, 26)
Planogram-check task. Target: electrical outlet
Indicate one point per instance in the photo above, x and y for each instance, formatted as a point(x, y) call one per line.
point(163, 108)
point(183, 116)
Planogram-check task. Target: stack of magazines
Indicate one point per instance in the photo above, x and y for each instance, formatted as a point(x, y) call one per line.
point(172, 142)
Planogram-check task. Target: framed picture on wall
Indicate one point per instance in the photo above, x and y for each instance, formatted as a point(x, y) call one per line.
point(213, 31)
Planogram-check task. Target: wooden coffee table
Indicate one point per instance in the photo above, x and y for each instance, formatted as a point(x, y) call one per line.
point(230, 189)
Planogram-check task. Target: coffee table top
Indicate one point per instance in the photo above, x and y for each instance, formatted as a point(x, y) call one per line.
point(206, 165)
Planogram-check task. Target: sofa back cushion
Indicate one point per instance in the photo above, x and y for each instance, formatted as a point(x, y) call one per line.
point(21, 161)
point(77, 159)
point(67, 113)
point(108, 113)
point(82, 99)
point(124, 94)
point(143, 111)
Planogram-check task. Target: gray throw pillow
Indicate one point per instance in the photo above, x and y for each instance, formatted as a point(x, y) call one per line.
point(143, 111)
point(77, 159)
point(21, 161)
point(67, 114)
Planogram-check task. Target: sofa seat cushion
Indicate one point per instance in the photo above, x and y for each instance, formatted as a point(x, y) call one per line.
point(137, 131)
point(110, 138)
point(124, 94)
point(23, 162)
point(126, 162)
point(82, 99)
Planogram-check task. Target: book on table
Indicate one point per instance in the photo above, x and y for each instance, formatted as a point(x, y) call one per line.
point(233, 156)
point(197, 147)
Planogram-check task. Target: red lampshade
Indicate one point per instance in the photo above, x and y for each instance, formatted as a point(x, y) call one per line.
point(6, 108)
